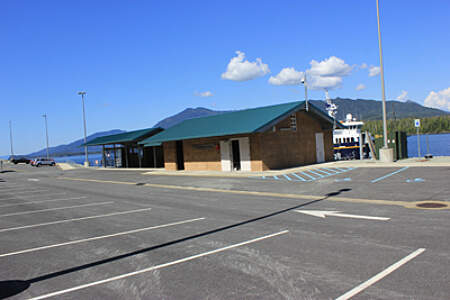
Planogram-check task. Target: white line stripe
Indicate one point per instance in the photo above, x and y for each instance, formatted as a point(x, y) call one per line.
point(157, 267)
point(75, 219)
point(25, 192)
point(389, 175)
point(22, 197)
point(58, 208)
point(42, 201)
point(98, 237)
point(380, 275)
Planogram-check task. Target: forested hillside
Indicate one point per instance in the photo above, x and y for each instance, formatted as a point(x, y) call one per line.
point(439, 124)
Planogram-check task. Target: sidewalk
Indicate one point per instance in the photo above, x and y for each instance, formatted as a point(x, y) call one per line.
point(439, 161)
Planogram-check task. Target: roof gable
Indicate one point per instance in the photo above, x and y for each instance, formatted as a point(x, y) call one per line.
point(238, 122)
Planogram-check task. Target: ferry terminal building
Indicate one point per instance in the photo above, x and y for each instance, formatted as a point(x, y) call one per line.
point(264, 138)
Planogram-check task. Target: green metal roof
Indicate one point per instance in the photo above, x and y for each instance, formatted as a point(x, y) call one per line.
point(238, 122)
point(126, 137)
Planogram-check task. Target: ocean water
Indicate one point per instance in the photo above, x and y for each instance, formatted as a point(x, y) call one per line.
point(94, 159)
point(438, 145)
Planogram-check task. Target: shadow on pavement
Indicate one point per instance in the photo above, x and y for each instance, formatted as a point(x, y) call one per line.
point(13, 287)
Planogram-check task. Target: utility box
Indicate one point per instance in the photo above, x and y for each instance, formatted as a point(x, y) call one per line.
point(396, 141)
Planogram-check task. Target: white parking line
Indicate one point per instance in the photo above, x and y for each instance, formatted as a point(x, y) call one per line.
point(99, 237)
point(157, 267)
point(380, 275)
point(25, 192)
point(32, 196)
point(51, 209)
point(42, 201)
point(75, 219)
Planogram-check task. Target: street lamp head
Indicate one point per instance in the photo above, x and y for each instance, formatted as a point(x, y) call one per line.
point(81, 93)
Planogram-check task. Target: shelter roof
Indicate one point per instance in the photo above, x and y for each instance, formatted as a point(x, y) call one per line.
point(124, 138)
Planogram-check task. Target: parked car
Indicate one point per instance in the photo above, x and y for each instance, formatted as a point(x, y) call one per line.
point(19, 159)
point(42, 161)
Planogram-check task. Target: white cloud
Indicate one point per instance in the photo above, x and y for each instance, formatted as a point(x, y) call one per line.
point(440, 100)
point(360, 87)
point(239, 69)
point(204, 94)
point(374, 71)
point(327, 74)
point(324, 82)
point(287, 76)
point(402, 96)
point(330, 67)
point(363, 66)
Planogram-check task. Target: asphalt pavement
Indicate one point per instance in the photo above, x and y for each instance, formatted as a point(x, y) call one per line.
point(343, 232)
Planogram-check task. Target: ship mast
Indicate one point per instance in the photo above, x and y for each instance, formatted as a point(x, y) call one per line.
point(331, 108)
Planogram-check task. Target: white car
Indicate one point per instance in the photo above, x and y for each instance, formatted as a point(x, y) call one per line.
point(42, 161)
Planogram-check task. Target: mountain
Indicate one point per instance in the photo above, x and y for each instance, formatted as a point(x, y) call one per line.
point(186, 114)
point(75, 147)
point(360, 108)
point(372, 110)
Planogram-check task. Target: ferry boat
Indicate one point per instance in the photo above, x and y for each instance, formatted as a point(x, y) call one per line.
point(346, 142)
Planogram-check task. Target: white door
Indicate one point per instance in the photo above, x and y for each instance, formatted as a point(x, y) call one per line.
point(225, 155)
point(244, 151)
point(320, 152)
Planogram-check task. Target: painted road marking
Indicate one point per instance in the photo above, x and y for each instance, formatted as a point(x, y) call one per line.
point(51, 209)
point(287, 177)
point(22, 197)
point(380, 275)
point(407, 204)
point(389, 175)
point(324, 213)
point(42, 201)
point(343, 179)
point(157, 267)
point(26, 192)
point(415, 180)
point(99, 237)
point(75, 219)
point(312, 178)
point(334, 171)
point(299, 177)
point(315, 173)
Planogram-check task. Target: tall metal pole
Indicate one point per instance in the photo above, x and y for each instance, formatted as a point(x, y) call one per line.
point(11, 139)
point(46, 133)
point(86, 161)
point(382, 79)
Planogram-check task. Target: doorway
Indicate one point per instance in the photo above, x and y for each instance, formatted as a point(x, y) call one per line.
point(180, 156)
point(236, 155)
point(320, 152)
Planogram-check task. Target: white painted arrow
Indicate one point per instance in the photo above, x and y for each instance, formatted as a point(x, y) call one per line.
point(324, 213)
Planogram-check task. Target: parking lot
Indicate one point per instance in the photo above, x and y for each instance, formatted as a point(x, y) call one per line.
point(362, 233)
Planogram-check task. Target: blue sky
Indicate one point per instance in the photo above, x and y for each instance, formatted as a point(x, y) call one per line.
point(141, 61)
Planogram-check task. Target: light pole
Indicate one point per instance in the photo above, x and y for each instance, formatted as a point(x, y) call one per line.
point(86, 162)
point(386, 154)
point(46, 132)
point(11, 139)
